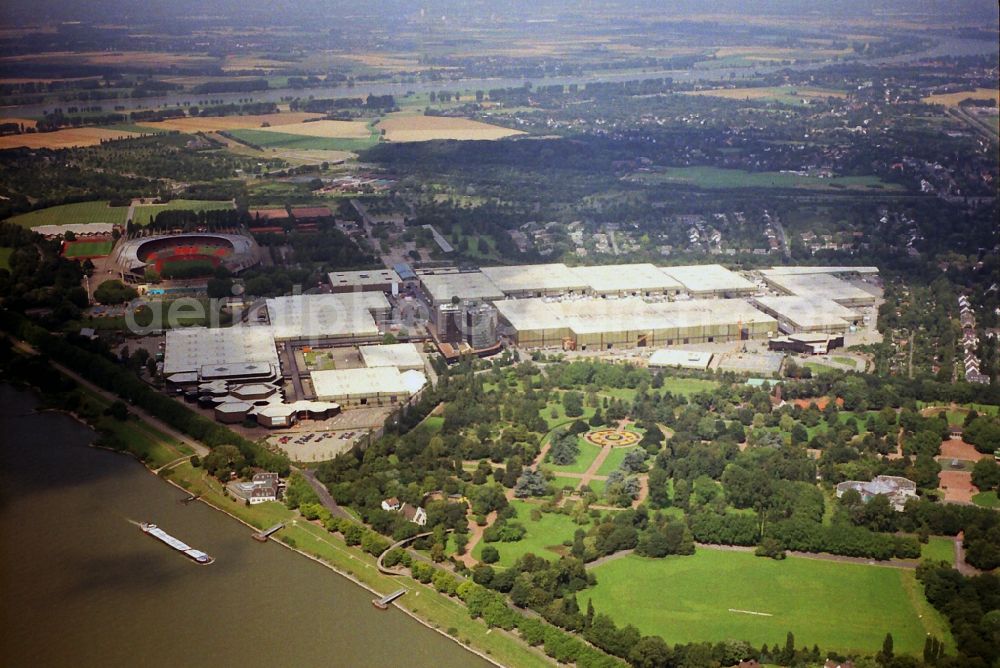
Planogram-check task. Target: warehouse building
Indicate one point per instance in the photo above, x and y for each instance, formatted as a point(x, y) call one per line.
point(626, 280)
point(403, 356)
point(377, 386)
point(536, 280)
point(600, 324)
point(815, 343)
point(797, 314)
point(328, 318)
point(467, 286)
point(810, 284)
point(841, 270)
point(672, 358)
point(366, 280)
point(710, 280)
point(199, 354)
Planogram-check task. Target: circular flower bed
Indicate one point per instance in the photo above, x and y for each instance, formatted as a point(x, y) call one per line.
point(614, 437)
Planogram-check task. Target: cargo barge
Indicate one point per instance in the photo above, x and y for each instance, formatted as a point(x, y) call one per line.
point(156, 532)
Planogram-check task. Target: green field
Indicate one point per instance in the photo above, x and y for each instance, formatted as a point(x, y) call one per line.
point(714, 177)
point(614, 459)
point(588, 453)
point(543, 538)
point(688, 386)
point(987, 499)
point(88, 249)
point(5, 254)
point(81, 212)
point(841, 607)
point(266, 139)
point(939, 548)
point(144, 212)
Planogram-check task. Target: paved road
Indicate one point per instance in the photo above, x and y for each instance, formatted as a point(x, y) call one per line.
point(324, 495)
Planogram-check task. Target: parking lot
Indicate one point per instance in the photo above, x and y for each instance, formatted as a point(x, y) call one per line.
point(317, 446)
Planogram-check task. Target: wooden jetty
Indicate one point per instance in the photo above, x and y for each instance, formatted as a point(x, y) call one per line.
point(383, 603)
point(262, 536)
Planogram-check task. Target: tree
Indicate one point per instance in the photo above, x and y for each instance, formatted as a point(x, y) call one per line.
point(224, 461)
point(573, 404)
point(986, 474)
point(564, 448)
point(114, 292)
point(118, 410)
point(489, 555)
point(531, 483)
point(885, 655)
point(650, 652)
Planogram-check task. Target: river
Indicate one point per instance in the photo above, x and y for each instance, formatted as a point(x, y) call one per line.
point(947, 46)
point(81, 585)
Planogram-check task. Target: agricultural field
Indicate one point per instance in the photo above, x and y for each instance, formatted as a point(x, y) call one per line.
point(81, 212)
point(715, 177)
point(719, 594)
point(216, 123)
point(784, 94)
point(268, 138)
point(26, 122)
point(953, 99)
point(543, 537)
point(144, 212)
point(411, 128)
point(85, 249)
point(71, 138)
point(325, 129)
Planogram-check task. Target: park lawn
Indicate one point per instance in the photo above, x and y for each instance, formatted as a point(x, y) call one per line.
point(598, 487)
point(543, 538)
point(79, 213)
point(688, 386)
point(284, 140)
point(841, 607)
point(588, 453)
point(561, 417)
point(5, 254)
point(146, 211)
point(715, 177)
point(848, 361)
point(614, 459)
point(432, 424)
point(561, 481)
point(987, 499)
point(938, 548)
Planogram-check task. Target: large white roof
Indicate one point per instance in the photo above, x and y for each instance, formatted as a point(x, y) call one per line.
point(364, 277)
point(625, 277)
point(808, 312)
point(76, 228)
point(400, 355)
point(324, 315)
point(337, 383)
point(702, 278)
point(685, 359)
point(534, 278)
point(471, 285)
point(819, 270)
point(190, 349)
point(809, 285)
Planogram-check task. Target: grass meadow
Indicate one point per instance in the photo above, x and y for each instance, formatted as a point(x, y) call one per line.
point(81, 212)
point(544, 537)
point(712, 594)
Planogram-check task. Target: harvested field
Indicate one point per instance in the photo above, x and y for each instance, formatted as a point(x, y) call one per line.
point(71, 138)
point(326, 129)
point(952, 99)
point(955, 448)
point(151, 59)
point(780, 93)
point(216, 123)
point(79, 213)
point(427, 128)
point(957, 486)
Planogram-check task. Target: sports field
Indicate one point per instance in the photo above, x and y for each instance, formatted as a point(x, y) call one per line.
point(714, 177)
point(84, 249)
point(410, 127)
point(274, 139)
point(81, 212)
point(715, 594)
point(69, 138)
point(543, 538)
point(215, 123)
point(145, 211)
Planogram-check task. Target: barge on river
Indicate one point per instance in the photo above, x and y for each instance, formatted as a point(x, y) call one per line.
point(156, 532)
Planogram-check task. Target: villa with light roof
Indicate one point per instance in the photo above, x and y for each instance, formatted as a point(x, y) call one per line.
point(899, 490)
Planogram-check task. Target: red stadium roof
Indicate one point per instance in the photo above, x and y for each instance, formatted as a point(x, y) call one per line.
point(311, 212)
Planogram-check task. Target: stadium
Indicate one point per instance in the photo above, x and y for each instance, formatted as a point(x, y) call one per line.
point(184, 255)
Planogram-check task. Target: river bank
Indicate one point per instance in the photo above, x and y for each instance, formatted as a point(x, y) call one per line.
point(445, 616)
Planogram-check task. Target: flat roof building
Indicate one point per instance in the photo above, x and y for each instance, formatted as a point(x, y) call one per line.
point(621, 280)
point(683, 359)
point(863, 271)
point(807, 314)
point(220, 352)
point(326, 317)
point(403, 356)
point(364, 280)
point(710, 280)
point(816, 284)
point(535, 280)
point(467, 286)
point(376, 386)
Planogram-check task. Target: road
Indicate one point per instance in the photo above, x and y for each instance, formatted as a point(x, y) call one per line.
point(324, 495)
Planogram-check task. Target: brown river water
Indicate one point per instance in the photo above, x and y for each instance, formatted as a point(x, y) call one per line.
point(80, 585)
